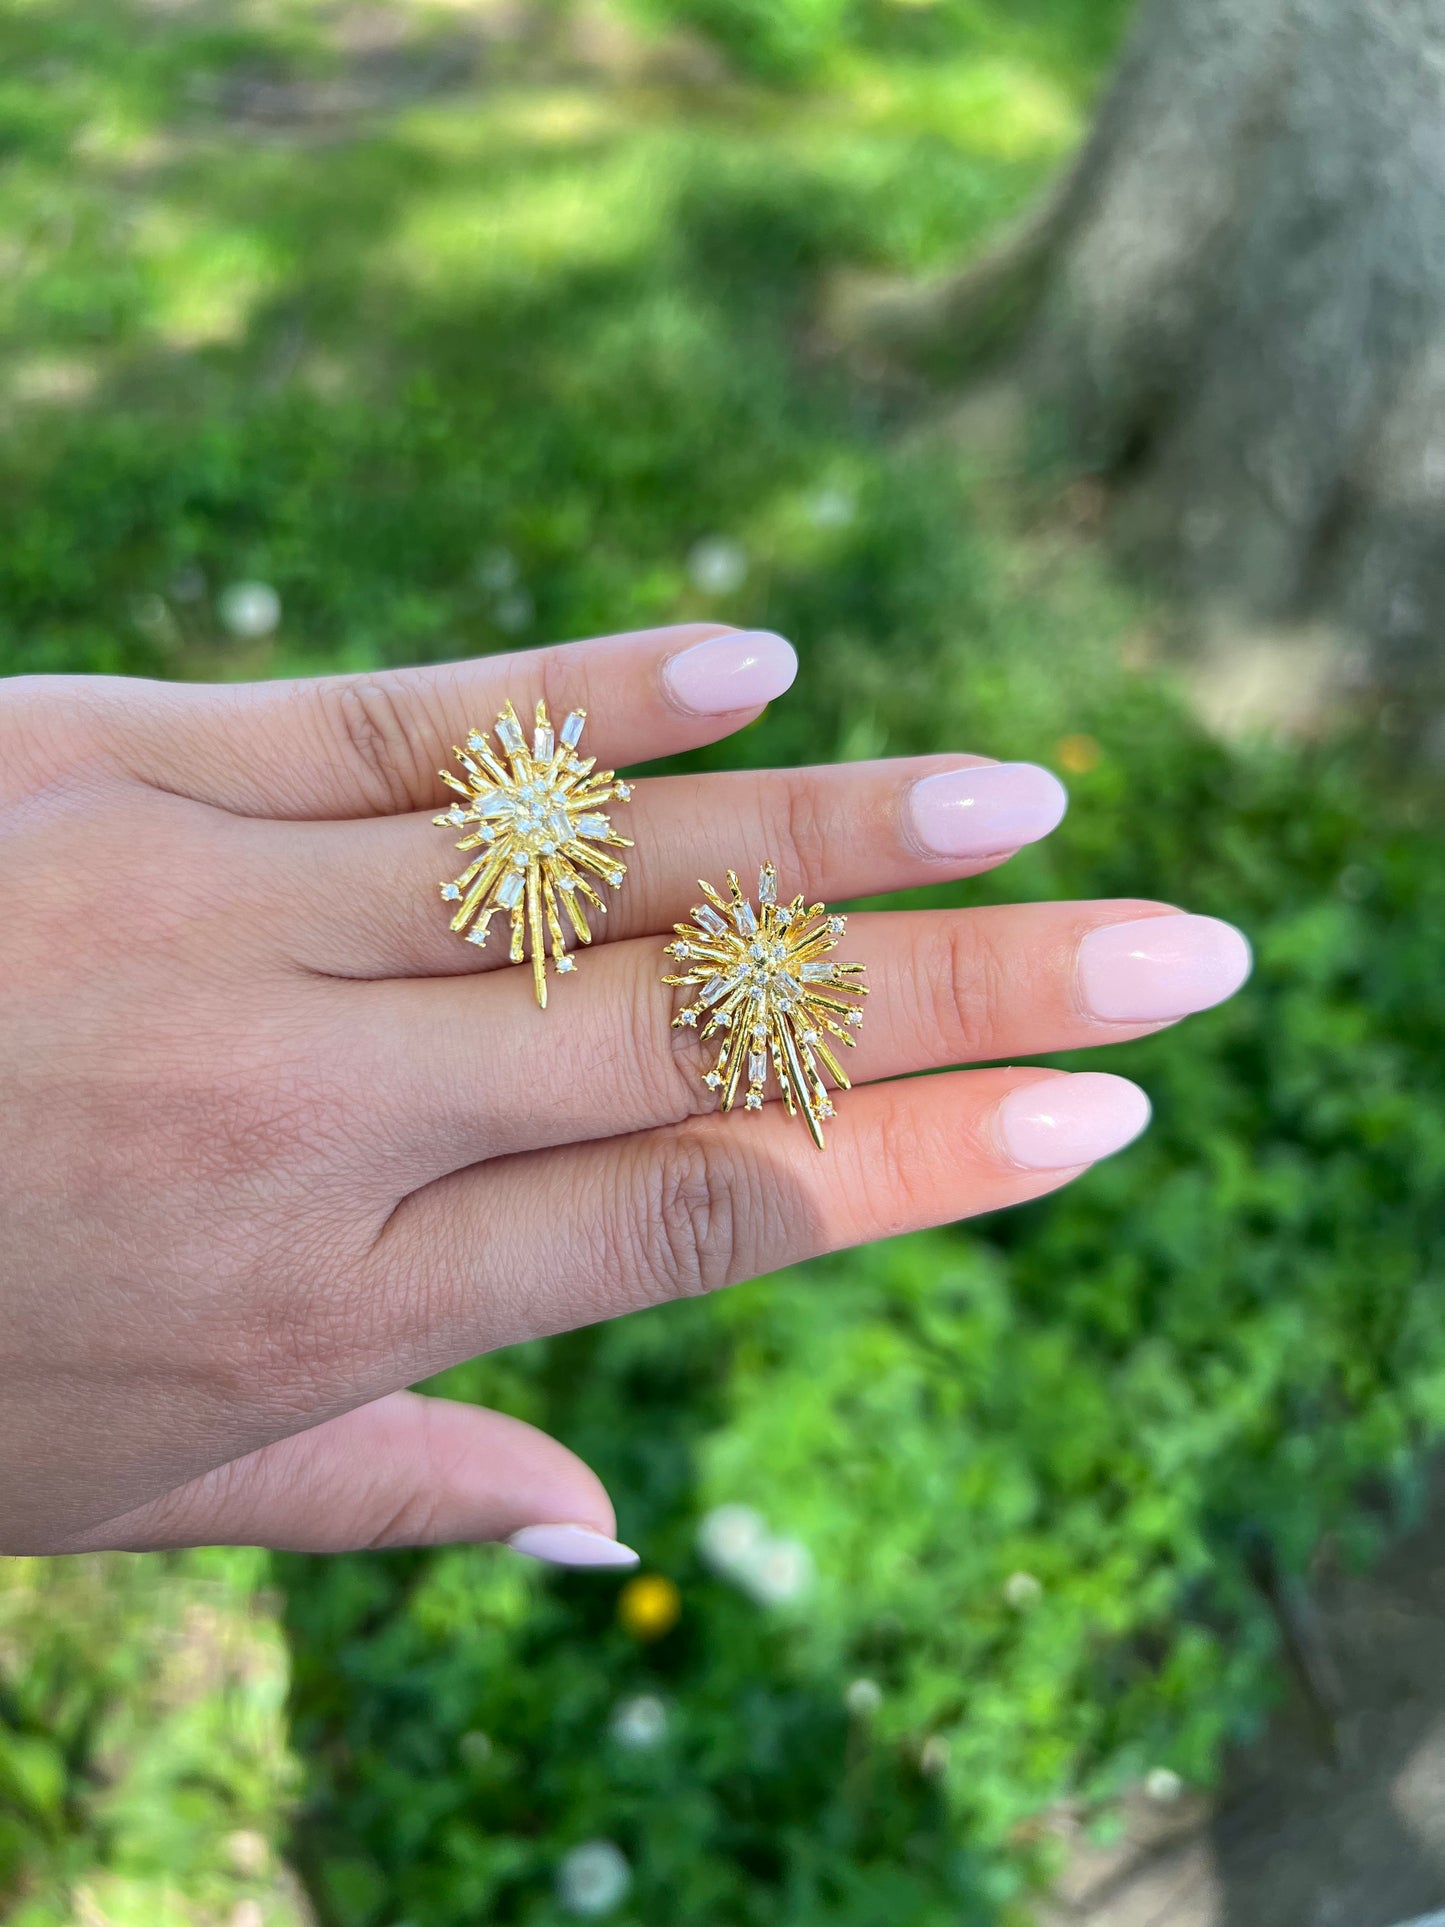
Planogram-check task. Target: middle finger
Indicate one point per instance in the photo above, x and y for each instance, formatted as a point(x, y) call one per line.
point(363, 898)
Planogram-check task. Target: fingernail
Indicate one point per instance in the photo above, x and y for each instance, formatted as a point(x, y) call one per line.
point(1070, 1119)
point(987, 810)
point(727, 673)
point(571, 1546)
point(1160, 967)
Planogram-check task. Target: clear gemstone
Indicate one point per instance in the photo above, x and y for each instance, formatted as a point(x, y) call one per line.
point(549, 848)
point(623, 790)
point(616, 878)
point(789, 986)
point(487, 800)
point(753, 1101)
point(519, 859)
point(760, 1036)
point(457, 815)
point(567, 883)
point(681, 949)
point(572, 728)
point(836, 926)
point(509, 734)
point(712, 1080)
point(713, 989)
point(474, 741)
point(510, 889)
point(743, 917)
point(723, 1021)
point(767, 884)
point(854, 1017)
point(593, 826)
point(814, 973)
point(564, 964)
point(560, 824)
point(757, 1066)
point(810, 1037)
point(825, 1109)
point(450, 892)
point(758, 950)
point(780, 952)
point(543, 743)
point(709, 919)
point(477, 934)
point(688, 1016)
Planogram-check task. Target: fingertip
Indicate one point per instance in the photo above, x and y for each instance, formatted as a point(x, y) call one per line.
point(1070, 1119)
point(726, 675)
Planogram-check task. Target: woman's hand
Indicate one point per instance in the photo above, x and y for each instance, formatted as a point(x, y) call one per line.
point(274, 1143)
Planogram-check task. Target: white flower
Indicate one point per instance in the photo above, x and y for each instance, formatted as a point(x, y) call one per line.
point(639, 1722)
point(863, 1698)
point(593, 1879)
point(248, 1853)
point(497, 570)
point(717, 565)
point(514, 611)
point(249, 610)
point(475, 1748)
point(1163, 1786)
point(831, 508)
point(780, 1570)
point(1021, 1590)
point(729, 1536)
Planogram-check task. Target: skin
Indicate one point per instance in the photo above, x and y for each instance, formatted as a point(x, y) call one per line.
point(274, 1144)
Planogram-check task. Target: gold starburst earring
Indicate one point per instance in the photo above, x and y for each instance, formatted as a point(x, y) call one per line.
point(541, 835)
point(766, 983)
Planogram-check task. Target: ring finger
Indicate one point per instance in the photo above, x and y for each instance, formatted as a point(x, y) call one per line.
point(467, 1075)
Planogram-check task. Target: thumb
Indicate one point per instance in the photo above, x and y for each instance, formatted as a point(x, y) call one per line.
point(404, 1471)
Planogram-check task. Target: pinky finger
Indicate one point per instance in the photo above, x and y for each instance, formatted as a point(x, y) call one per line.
point(402, 1471)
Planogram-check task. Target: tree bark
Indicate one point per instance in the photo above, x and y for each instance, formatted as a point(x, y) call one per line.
point(1235, 303)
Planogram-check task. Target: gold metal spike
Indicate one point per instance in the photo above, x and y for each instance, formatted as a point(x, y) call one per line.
point(534, 810)
point(762, 981)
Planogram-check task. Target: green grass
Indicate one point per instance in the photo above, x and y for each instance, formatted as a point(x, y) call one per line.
point(466, 349)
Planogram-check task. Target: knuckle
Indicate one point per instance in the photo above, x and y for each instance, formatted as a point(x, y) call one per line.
point(378, 732)
point(968, 979)
point(685, 1214)
point(801, 829)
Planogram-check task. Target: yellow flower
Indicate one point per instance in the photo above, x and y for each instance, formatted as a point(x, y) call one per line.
point(649, 1606)
point(1078, 754)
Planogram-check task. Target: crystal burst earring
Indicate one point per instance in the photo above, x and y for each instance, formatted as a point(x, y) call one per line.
point(767, 986)
point(533, 813)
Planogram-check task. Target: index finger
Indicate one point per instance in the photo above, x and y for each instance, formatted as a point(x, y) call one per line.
point(371, 744)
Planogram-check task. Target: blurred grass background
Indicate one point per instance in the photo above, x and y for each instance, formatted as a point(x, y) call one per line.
point(455, 328)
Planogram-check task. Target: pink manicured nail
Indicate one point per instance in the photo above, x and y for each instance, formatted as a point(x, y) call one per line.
point(1070, 1119)
point(987, 810)
point(727, 673)
point(1160, 967)
point(571, 1546)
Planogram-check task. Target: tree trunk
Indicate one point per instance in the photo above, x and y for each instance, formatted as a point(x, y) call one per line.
point(1236, 304)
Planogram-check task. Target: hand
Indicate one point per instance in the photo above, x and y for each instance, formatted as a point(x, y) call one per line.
point(275, 1143)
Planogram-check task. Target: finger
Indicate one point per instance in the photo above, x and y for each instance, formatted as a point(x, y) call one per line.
point(370, 745)
point(404, 1471)
point(364, 900)
point(947, 987)
point(553, 1239)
